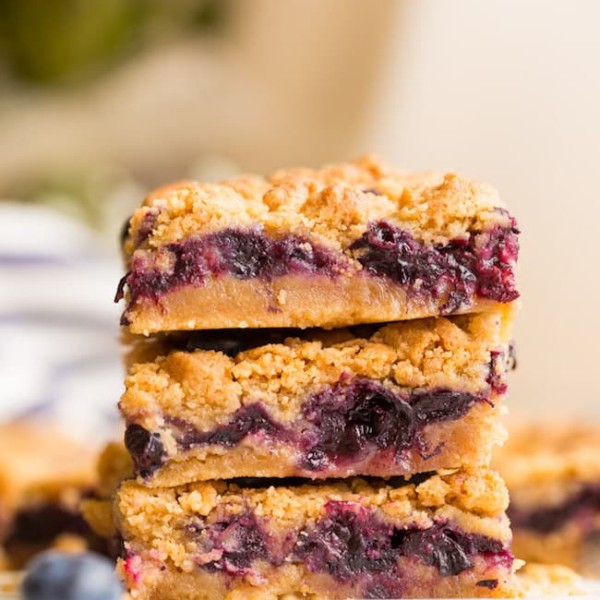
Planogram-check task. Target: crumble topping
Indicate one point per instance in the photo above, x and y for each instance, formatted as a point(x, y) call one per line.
point(205, 387)
point(333, 204)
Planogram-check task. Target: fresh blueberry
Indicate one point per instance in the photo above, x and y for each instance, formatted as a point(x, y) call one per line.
point(146, 449)
point(59, 576)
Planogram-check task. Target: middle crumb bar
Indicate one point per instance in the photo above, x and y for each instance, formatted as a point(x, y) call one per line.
point(410, 397)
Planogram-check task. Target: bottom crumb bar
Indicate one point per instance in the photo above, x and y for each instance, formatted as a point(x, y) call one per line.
point(553, 474)
point(437, 536)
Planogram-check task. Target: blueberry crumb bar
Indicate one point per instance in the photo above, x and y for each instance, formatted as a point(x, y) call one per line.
point(553, 473)
point(43, 478)
point(439, 535)
point(346, 244)
point(410, 397)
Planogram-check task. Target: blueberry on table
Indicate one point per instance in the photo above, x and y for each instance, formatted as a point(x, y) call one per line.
point(59, 576)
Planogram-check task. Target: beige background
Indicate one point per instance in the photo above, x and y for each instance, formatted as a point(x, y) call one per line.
point(504, 90)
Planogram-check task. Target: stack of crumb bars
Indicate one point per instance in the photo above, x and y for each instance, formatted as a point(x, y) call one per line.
point(317, 387)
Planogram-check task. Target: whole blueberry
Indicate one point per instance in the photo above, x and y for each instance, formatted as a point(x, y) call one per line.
point(59, 576)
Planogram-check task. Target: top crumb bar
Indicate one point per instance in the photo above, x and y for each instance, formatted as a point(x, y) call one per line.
point(351, 243)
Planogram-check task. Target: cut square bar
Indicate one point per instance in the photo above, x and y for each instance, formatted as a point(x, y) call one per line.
point(553, 474)
point(347, 244)
point(400, 399)
point(43, 478)
point(440, 536)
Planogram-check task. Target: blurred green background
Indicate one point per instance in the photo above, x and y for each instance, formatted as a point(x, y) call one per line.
point(61, 48)
point(66, 42)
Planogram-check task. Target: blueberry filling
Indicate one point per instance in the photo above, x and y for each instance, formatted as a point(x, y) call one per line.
point(247, 420)
point(148, 452)
point(347, 542)
point(240, 253)
point(481, 265)
point(232, 544)
point(340, 424)
point(349, 420)
point(146, 449)
point(583, 506)
point(351, 541)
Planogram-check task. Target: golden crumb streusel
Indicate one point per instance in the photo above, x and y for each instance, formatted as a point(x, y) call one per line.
point(333, 204)
point(206, 387)
point(557, 452)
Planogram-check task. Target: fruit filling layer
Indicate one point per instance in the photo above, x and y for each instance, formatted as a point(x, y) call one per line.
point(37, 527)
point(480, 265)
point(243, 254)
point(342, 423)
point(483, 264)
point(349, 541)
point(582, 508)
